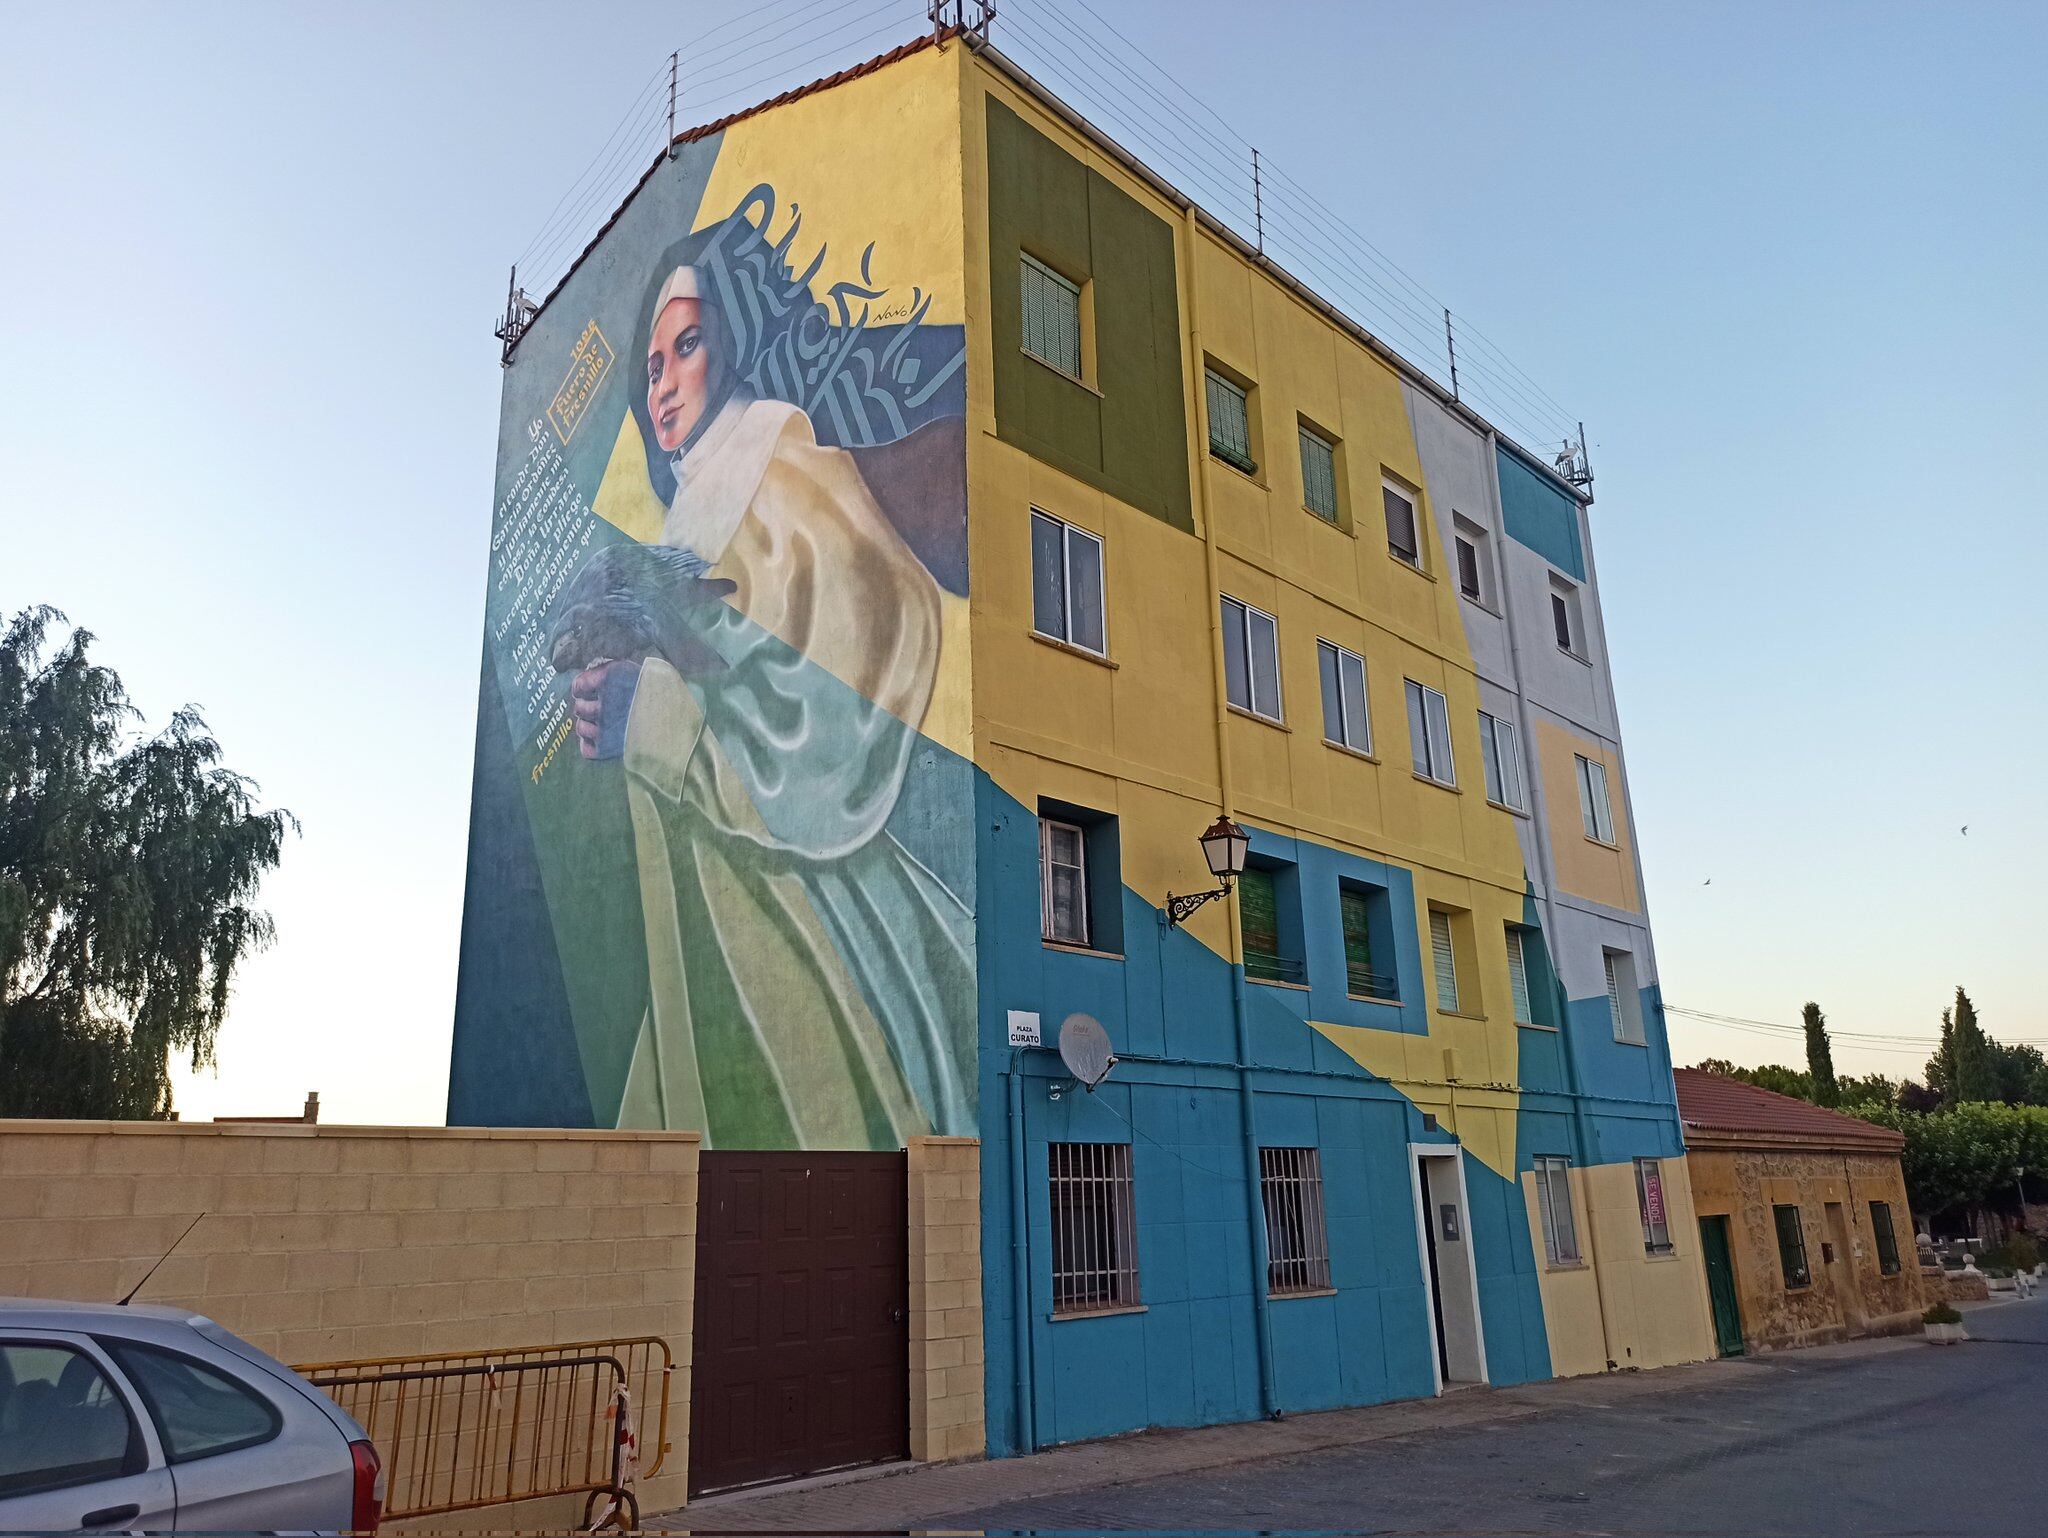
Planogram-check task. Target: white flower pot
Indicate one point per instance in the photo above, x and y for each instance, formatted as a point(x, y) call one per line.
point(1945, 1334)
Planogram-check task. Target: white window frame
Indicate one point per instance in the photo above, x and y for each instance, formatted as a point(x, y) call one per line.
point(1522, 999)
point(1245, 630)
point(1656, 1236)
point(1414, 503)
point(1429, 707)
point(1624, 1004)
point(1554, 1206)
point(1357, 736)
point(1064, 284)
point(1069, 534)
point(1469, 534)
point(1565, 595)
point(1500, 756)
point(1047, 827)
point(1443, 955)
point(1596, 812)
point(1308, 437)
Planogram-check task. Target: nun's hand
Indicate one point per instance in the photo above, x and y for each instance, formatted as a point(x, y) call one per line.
point(600, 700)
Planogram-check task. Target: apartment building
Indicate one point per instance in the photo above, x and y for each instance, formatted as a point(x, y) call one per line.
point(918, 525)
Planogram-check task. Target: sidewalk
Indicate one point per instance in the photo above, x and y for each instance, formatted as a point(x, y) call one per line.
point(905, 1497)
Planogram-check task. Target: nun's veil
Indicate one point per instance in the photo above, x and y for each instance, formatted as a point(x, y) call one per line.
point(676, 269)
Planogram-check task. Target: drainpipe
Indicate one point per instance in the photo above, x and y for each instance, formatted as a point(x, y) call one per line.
point(1539, 802)
point(1255, 1216)
point(1020, 1264)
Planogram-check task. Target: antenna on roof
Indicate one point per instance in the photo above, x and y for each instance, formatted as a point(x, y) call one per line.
point(674, 59)
point(1572, 463)
point(953, 13)
point(519, 314)
point(159, 1261)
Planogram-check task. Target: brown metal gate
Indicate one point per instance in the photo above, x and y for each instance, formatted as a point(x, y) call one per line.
point(802, 1348)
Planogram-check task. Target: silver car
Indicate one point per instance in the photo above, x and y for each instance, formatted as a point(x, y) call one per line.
point(145, 1419)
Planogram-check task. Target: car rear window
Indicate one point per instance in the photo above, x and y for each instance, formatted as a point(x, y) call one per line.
point(199, 1410)
point(62, 1422)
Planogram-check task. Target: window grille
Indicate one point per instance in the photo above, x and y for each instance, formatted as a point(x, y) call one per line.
point(1446, 959)
point(1094, 1232)
point(1887, 1240)
point(1518, 978)
point(1554, 1205)
point(1319, 475)
point(1401, 526)
point(1297, 1236)
point(1791, 1246)
point(1650, 1205)
point(1230, 433)
point(1052, 318)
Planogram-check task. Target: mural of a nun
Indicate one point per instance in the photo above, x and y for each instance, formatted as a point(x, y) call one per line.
point(810, 980)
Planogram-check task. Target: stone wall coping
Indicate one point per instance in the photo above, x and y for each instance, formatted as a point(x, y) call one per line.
point(936, 1140)
point(34, 1127)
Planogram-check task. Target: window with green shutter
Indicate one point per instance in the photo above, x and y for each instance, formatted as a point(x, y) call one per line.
point(1230, 425)
point(1362, 980)
point(1258, 914)
point(1052, 317)
point(1887, 1241)
point(1319, 475)
point(1791, 1247)
point(1445, 957)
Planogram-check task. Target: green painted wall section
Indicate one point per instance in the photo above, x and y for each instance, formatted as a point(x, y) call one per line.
point(1127, 435)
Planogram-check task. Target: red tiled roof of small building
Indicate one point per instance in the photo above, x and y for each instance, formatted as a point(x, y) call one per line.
point(1715, 1105)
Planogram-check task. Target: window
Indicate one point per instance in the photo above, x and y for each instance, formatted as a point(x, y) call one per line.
point(1429, 734)
point(1052, 318)
point(1230, 423)
point(1402, 538)
point(1444, 957)
point(198, 1410)
point(1594, 812)
point(1564, 617)
point(1297, 1239)
point(1066, 583)
point(1518, 978)
point(1318, 475)
point(1268, 916)
point(1063, 882)
point(1094, 1230)
point(1887, 1240)
point(1251, 659)
point(62, 1422)
point(1554, 1205)
point(1362, 980)
point(1791, 1247)
point(1469, 542)
point(1502, 760)
point(1624, 1008)
point(1650, 1204)
point(1344, 716)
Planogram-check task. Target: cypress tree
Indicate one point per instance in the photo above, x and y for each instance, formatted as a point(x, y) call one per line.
point(1976, 1074)
point(1820, 1059)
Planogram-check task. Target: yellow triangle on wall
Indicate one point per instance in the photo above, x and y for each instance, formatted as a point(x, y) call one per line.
point(625, 499)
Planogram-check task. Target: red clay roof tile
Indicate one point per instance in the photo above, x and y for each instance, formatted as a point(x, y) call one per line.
point(1714, 1105)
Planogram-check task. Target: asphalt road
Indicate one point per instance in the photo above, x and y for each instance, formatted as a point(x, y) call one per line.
point(1905, 1439)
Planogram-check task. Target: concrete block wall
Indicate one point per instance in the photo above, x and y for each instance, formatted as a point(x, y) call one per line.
point(946, 1408)
point(323, 1243)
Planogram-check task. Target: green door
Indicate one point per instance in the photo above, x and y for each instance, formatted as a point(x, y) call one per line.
point(1721, 1285)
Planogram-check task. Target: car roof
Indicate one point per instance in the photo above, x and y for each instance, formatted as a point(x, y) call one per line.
point(64, 1314)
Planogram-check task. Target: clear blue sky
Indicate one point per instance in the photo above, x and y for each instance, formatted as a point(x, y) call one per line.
point(1786, 261)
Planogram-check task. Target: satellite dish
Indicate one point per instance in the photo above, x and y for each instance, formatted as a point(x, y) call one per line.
point(1084, 1048)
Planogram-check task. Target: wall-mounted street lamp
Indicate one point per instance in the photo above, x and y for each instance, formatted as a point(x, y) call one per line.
point(1224, 846)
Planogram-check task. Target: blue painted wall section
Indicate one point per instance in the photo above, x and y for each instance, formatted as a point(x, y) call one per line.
point(1539, 514)
point(1190, 1356)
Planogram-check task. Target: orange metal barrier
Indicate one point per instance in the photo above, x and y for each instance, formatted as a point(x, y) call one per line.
point(481, 1428)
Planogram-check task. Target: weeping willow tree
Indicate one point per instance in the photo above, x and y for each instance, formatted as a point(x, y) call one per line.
point(129, 861)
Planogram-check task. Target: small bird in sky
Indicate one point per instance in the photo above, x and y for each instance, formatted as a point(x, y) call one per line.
point(1708, 882)
point(1966, 830)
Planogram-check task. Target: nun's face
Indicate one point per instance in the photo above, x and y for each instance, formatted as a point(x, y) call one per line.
point(680, 372)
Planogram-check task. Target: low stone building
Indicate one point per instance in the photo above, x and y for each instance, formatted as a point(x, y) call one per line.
point(1804, 1226)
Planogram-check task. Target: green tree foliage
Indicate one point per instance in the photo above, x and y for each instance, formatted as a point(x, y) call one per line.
point(1820, 1060)
point(128, 863)
point(1966, 1155)
point(1772, 1076)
